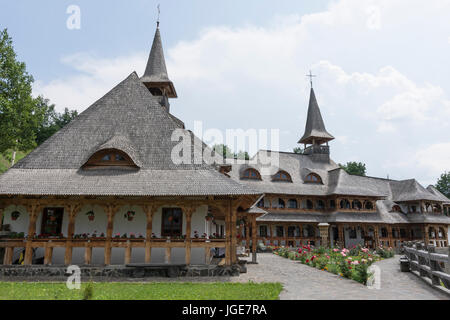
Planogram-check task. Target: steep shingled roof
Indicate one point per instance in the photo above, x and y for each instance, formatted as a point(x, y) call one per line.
point(131, 119)
point(438, 194)
point(315, 127)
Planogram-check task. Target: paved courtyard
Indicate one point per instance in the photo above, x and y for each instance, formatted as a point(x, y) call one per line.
point(304, 282)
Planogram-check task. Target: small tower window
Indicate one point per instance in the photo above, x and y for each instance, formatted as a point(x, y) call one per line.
point(313, 178)
point(251, 174)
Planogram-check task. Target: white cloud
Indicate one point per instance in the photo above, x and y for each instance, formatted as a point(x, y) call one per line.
point(372, 86)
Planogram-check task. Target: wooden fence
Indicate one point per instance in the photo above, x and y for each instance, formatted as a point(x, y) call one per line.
point(425, 262)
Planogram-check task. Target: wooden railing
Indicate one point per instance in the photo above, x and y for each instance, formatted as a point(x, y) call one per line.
point(127, 244)
point(426, 263)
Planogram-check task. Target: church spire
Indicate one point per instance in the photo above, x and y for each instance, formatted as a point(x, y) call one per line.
point(315, 132)
point(155, 76)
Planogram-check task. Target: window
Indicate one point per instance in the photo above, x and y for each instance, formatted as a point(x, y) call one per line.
point(281, 203)
point(110, 157)
point(292, 204)
point(368, 205)
point(344, 204)
point(52, 221)
point(413, 208)
point(313, 178)
point(279, 231)
point(260, 203)
point(251, 174)
point(384, 233)
point(309, 204)
point(291, 231)
point(356, 205)
point(308, 231)
point(403, 233)
point(332, 204)
point(282, 176)
point(263, 231)
point(352, 233)
point(320, 204)
point(171, 224)
point(396, 208)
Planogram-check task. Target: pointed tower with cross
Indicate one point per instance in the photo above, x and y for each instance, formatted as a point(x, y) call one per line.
point(316, 137)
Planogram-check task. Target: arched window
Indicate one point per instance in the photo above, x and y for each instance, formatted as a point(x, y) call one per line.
point(396, 208)
point(368, 205)
point(109, 158)
point(313, 178)
point(292, 204)
point(441, 233)
point(251, 174)
point(282, 176)
point(344, 204)
point(356, 205)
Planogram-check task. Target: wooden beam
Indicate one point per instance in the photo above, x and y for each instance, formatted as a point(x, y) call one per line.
point(33, 211)
point(149, 212)
point(87, 254)
point(128, 253)
point(7, 258)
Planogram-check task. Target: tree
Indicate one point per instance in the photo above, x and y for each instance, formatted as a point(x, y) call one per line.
point(298, 150)
point(52, 120)
point(242, 155)
point(356, 168)
point(443, 184)
point(223, 150)
point(19, 114)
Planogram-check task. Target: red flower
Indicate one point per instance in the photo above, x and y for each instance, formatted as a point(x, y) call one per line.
point(307, 261)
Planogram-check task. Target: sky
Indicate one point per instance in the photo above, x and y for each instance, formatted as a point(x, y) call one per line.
point(382, 68)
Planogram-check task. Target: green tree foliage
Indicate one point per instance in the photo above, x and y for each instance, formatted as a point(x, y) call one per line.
point(19, 113)
point(226, 152)
point(356, 168)
point(298, 150)
point(443, 184)
point(52, 120)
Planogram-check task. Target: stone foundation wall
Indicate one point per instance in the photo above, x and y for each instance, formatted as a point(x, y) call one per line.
point(58, 273)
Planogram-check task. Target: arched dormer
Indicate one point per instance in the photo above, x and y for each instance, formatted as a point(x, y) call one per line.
point(251, 174)
point(313, 178)
point(107, 158)
point(282, 176)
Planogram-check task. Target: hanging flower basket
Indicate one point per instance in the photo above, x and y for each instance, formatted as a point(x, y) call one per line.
point(129, 215)
point(90, 215)
point(15, 215)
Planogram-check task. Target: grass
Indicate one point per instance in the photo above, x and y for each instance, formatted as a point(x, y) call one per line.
point(140, 291)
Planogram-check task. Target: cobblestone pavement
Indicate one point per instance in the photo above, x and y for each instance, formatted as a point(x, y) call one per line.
point(304, 282)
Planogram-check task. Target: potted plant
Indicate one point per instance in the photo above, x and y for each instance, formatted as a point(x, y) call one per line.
point(15, 215)
point(209, 216)
point(129, 215)
point(90, 215)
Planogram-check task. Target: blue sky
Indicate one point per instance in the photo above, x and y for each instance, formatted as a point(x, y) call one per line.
point(383, 73)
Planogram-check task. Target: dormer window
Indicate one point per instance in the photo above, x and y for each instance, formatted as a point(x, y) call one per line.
point(282, 176)
point(313, 178)
point(109, 158)
point(251, 174)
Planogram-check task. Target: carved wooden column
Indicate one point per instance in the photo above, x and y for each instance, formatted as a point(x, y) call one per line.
point(228, 234)
point(390, 237)
point(2, 210)
point(376, 236)
point(149, 211)
point(33, 211)
point(254, 241)
point(425, 234)
point(341, 235)
point(111, 211)
point(233, 234)
point(72, 211)
point(188, 211)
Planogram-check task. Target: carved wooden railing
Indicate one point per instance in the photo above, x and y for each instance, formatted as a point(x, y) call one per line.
point(128, 244)
point(426, 263)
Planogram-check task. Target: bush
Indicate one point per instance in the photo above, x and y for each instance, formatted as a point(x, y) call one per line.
point(360, 273)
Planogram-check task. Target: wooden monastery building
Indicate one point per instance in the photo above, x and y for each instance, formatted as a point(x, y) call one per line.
point(105, 190)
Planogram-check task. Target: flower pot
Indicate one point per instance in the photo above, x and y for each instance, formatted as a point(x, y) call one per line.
point(13, 218)
point(91, 218)
point(130, 218)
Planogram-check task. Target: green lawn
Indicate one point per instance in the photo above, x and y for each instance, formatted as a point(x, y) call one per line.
point(141, 291)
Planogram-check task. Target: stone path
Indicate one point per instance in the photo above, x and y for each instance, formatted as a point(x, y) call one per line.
point(304, 282)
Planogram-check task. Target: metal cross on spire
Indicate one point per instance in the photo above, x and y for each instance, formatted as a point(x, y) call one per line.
point(310, 75)
point(157, 21)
